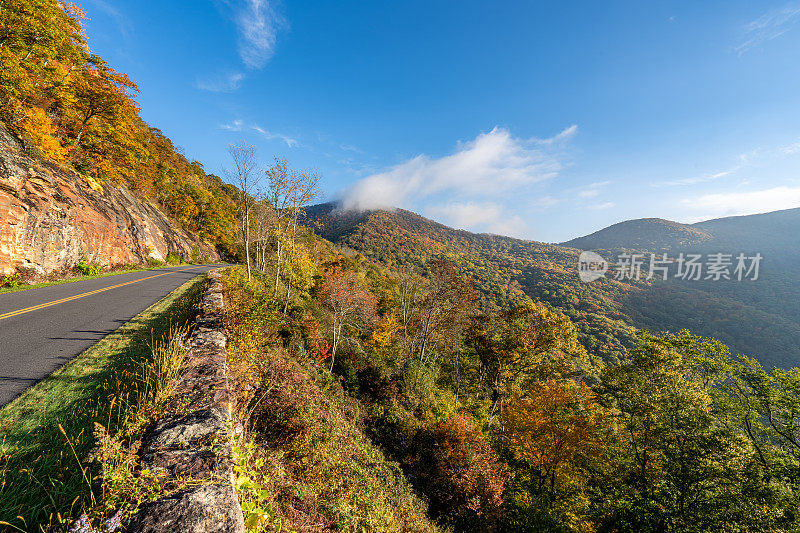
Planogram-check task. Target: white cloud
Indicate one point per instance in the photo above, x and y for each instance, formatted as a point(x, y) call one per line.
point(696, 179)
point(491, 164)
point(222, 84)
point(743, 203)
point(290, 141)
point(545, 202)
point(512, 226)
point(604, 205)
point(236, 125)
point(791, 149)
point(350, 148)
point(565, 134)
point(768, 26)
point(240, 125)
point(258, 25)
point(592, 190)
point(123, 22)
point(482, 217)
point(468, 215)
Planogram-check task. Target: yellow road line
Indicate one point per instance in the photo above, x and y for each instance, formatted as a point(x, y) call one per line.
point(62, 300)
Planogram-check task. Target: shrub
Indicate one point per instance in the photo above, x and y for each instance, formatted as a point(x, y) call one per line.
point(88, 269)
point(459, 472)
point(12, 280)
point(174, 258)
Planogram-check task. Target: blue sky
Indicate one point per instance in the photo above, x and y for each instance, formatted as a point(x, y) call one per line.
point(540, 120)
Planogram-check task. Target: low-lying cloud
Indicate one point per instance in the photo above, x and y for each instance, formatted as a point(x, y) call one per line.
point(486, 217)
point(492, 164)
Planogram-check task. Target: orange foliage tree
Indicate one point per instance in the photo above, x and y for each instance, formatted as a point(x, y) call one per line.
point(558, 433)
point(349, 305)
point(524, 344)
point(67, 105)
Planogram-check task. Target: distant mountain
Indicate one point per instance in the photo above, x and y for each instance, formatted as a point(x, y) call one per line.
point(760, 317)
point(753, 318)
point(776, 231)
point(652, 234)
point(505, 270)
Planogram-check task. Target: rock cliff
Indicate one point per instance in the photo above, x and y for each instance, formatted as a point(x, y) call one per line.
point(51, 219)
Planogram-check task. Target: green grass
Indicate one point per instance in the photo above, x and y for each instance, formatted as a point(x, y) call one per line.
point(42, 483)
point(78, 277)
point(81, 277)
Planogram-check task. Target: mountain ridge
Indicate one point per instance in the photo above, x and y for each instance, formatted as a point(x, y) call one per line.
point(606, 312)
point(707, 233)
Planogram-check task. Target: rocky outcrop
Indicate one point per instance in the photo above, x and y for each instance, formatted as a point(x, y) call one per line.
point(51, 219)
point(190, 444)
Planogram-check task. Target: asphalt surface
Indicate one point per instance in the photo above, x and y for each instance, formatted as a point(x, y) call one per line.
point(37, 336)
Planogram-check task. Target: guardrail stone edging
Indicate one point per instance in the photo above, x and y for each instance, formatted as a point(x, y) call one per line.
point(192, 441)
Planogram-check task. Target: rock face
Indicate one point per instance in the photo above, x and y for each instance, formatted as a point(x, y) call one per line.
point(51, 219)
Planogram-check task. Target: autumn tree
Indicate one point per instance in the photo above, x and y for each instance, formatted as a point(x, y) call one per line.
point(246, 176)
point(68, 105)
point(556, 432)
point(446, 306)
point(687, 467)
point(303, 187)
point(434, 313)
point(349, 304)
point(100, 92)
point(278, 200)
point(409, 288)
point(525, 344)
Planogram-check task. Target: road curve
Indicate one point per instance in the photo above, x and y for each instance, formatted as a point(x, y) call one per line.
point(41, 329)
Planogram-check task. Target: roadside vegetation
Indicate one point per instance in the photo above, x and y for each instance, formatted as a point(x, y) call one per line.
point(496, 419)
point(305, 463)
point(419, 389)
point(68, 443)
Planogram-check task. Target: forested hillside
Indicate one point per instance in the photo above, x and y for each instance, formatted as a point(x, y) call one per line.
point(498, 419)
point(68, 106)
point(505, 271)
point(754, 318)
point(759, 318)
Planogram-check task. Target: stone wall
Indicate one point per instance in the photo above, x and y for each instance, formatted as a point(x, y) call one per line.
point(191, 441)
point(51, 219)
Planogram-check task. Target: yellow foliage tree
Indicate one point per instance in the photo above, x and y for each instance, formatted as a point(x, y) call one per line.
point(558, 430)
point(41, 129)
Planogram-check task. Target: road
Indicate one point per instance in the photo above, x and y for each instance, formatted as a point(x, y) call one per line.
point(41, 329)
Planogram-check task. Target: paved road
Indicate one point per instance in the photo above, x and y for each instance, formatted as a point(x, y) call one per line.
point(41, 329)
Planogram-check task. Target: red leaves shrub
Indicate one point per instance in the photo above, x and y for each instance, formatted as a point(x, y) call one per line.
point(456, 468)
point(317, 345)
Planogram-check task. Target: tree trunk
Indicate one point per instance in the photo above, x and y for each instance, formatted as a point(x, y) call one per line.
point(337, 331)
point(291, 253)
point(247, 239)
point(83, 125)
point(278, 264)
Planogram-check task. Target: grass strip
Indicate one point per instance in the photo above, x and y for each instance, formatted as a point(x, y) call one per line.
point(46, 434)
point(82, 277)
